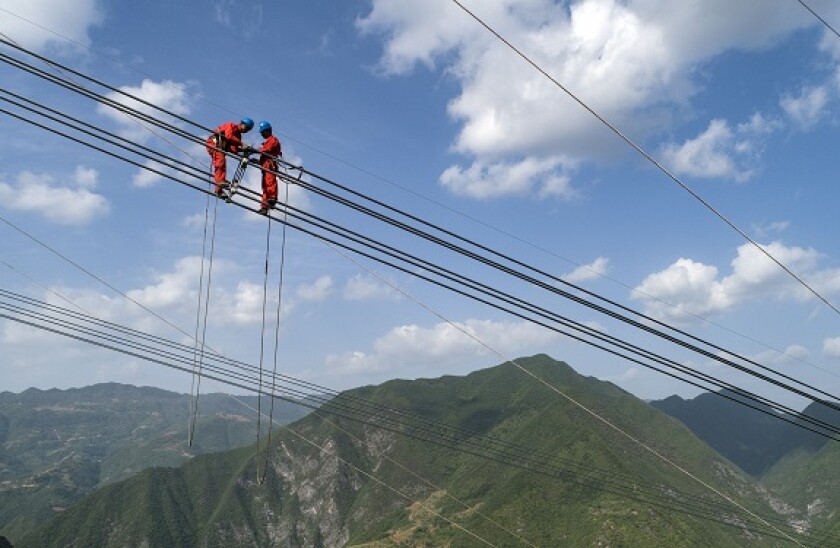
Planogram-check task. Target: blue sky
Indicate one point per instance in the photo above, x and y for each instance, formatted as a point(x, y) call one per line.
point(416, 104)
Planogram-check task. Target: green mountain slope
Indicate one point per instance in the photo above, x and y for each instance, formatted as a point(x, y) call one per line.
point(811, 482)
point(57, 446)
point(799, 467)
point(753, 440)
point(579, 482)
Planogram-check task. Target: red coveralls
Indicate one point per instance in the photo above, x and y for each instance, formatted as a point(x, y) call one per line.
point(231, 141)
point(269, 152)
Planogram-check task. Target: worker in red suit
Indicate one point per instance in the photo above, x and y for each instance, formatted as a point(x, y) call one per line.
point(269, 152)
point(227, 137)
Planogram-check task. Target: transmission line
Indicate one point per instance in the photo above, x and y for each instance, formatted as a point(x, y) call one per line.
point(454, 443)
point(820, 18)
point(531, 280)
point(170, 177)
point(412, 192)
point(646, 318)
point(576, 325)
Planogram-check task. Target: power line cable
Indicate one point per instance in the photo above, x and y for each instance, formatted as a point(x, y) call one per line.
point(322, 417)
point(321, 388)
point(411, 472)
point(573, 401)
point(227, 381)
point(562, 476)
point(128, 111)
point(504, 296)
point(225, 374)
point(821, 19)
point(550, 288)
point(624, 355)
point(404, 495)
point(557, 279)
point(81, 90)
point(364, 171)
point(504, 309)
point(100, 83)
point(330, 401)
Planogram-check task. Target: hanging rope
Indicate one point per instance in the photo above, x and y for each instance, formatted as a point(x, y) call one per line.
point(276, 331)
point(204, 327)
point(262, 343)
point(198, 318)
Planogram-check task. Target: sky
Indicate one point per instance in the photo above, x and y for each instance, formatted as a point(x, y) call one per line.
point(418, 105)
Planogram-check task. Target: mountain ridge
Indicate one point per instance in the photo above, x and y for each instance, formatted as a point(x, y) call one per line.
point(57, 446)
point(315, 497)
point(754, 440)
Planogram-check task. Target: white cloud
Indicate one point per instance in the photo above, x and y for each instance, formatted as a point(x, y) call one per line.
point(695, 289)
point(175, 288)
point(172, 96)
point(628, 375)
point(144, 178)
point(829, 44)
point(194, 154)
point(825, 282)
point(35, 357)
point(753, 273)
point(483, 181)
point(794, 351)
point(72, 19)
point(720, 151)
point(808, 107)
point(352, 363)
point(248, 303)
point(174, 294)
point(595, 269)
point(318, 290)
point(364, 288)
point(14, 333)
point(688, 285)
point(86, 177)
point(764, 230)
point(592, 324)
point(417, 32)
point(635, 62)
point(65, 205)
point(194, 222)
point(704, 156)
point(222, 10)
point(831, 347)
point(244, 16)
point(792, 354)
point(408, 345)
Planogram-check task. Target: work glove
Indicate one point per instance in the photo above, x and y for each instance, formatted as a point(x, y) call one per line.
point(247, 149)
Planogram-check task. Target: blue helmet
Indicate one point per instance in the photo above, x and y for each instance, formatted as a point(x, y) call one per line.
point(248, 123)
point(264, 126)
